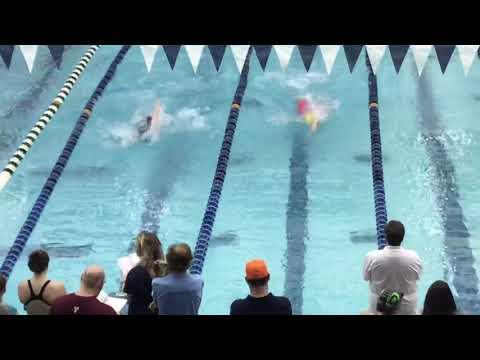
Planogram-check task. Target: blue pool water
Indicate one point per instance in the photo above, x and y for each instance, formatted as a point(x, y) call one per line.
point(112, 187)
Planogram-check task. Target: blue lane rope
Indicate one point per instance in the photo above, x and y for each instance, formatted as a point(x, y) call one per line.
point(220, 173)
point(377, 163)
point(32, 219)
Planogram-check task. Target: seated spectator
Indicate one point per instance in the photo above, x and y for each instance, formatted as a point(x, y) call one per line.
point(393, 268)
point(138, 284)
point(260, 301)
point(85, 301)
point(179, 292)
point(38, 293)
point(4, 308)
point(439, 300)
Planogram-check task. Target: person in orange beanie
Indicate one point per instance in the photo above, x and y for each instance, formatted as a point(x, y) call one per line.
point(260, 301)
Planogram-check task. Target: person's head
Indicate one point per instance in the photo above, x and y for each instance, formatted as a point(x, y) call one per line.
point(3, 286)
point(148, 247)
point(388, 302)
point(256, 274)
point(93, 279)
point(439, 300)
point(394, 232)
point(179, 257)
point(38, 261)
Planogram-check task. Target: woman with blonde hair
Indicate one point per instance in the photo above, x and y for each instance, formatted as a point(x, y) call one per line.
point(138, 284)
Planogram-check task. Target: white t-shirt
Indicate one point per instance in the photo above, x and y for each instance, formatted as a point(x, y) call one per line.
point(396, 269)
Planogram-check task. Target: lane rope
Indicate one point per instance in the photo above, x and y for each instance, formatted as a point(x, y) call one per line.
point(46, 117)
point(42, 200)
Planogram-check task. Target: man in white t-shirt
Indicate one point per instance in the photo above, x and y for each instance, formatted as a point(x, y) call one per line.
point(393, 268)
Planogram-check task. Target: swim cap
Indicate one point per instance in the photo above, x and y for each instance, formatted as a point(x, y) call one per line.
point(303, 106)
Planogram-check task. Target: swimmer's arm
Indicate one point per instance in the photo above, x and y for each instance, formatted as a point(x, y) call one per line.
point(157, 109)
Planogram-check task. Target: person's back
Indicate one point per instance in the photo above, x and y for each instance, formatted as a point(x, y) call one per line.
point(394, 268)
point(85, 301)
point(4, 308)
point(38, 293)
point(266, 305)
point(178, 293)
point(73, 304)
point(260, 301)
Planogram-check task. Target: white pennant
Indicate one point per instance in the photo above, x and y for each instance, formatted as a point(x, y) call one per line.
point(194, 53)
point(467, 55)
point(375, 54)
point(284, 53)
point(149, 52)
point(329, 53)
point(29, 52)
point(420, 54)
point(239, 54)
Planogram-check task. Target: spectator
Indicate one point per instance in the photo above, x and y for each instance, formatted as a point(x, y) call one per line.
point(38, 293)
point(138, 284)
point(260, 301)
point(179, 292)
point(439, 300)
point(85, 301)
point(393, 268)
point(4, 308)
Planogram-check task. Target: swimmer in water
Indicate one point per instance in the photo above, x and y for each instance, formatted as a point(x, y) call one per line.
point(308, 115)
point(149, 128)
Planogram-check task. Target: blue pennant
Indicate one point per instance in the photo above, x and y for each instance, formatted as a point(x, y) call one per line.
point(172, 53)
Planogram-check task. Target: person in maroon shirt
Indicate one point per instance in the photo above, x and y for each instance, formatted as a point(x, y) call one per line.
point(84, 301)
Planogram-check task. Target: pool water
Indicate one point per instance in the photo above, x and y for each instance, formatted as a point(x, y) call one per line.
point(114, 187)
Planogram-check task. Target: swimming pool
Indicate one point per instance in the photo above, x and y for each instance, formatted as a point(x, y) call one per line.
point(113, 187)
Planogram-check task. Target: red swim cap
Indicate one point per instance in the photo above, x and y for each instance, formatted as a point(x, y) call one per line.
point(303, 106)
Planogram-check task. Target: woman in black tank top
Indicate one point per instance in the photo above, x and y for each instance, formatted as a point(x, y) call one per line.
point(39, 301)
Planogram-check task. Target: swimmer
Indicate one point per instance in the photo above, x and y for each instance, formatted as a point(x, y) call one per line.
point(309, 117)
point(149, 128)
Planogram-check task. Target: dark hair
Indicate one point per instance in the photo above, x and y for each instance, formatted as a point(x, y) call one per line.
point(258, 282)
point(439, 300)
point(394, 231)
point(3, 284)
point(38, 261)
point(179, 257)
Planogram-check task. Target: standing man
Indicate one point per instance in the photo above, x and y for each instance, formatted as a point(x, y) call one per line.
point(394, 268)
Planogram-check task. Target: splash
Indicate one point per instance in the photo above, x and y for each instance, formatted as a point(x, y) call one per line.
point(322, 107)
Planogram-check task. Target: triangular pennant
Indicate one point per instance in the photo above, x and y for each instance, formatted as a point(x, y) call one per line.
point(398, 53)
point(194, 53)
point(329, 53)
point(6, 52)
point(444, 53)
point(217, 52)
point(284, 53)
point(172, 52)
point(467, 54)
point(352, 52)
point(148, 52)
point(239, 54)
point(29, 52)
point(375, 54)
point(420, 54)
point(307, 52)
point(263, 52)
point(57, 53)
